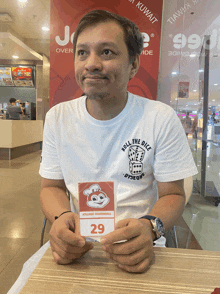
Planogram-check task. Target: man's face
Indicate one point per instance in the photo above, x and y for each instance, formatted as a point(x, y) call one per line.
point(102, 67)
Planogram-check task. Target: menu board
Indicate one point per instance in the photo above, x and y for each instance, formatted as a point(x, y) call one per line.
point(6, 76)
point(22, 76)
point(17, 76)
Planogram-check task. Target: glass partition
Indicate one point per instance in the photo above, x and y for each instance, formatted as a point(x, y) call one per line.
point(189, 82)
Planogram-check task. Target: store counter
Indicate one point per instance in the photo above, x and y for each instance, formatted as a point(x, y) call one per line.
point(19, 137)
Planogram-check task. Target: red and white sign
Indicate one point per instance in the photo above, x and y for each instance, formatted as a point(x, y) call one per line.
point(96, 208)
point(183, 91)
point(65, 15)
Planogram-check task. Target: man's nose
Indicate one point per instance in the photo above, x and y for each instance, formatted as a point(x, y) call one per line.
point(93, 62)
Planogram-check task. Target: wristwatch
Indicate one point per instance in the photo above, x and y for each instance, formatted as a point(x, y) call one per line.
point(157, 225)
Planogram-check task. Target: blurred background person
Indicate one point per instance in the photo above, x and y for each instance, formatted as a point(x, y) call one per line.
point(13, 111)
point(195, 126)
point(187, 124)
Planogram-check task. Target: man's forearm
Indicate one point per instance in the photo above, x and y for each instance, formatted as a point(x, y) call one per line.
point(169, 208)
point(54, 201)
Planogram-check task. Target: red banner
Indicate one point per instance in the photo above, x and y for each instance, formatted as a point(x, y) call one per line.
point(65, 15)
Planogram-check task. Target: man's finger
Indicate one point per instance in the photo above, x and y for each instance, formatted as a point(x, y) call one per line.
point(137, 268)
point(70, 253)
point(127, 247)
point(125, 232)
point(67, 236)
point(58, 259)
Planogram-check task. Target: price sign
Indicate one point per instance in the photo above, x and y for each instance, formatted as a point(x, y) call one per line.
point(96, 208)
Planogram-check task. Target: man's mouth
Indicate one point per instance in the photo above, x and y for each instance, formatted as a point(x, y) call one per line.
point(94, 77)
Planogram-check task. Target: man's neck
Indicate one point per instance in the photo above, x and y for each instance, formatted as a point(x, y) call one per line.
point(106, 108)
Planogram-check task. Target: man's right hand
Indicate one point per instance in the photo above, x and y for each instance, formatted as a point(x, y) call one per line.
point(65, 240)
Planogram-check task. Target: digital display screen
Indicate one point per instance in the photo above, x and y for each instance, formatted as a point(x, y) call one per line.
point(22, 76)
point(6, 76)
point(17, 76)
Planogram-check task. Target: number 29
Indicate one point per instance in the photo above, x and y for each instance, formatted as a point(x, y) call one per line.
point(97, 229)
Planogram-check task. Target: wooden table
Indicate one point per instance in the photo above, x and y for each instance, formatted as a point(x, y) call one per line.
point(182, 271)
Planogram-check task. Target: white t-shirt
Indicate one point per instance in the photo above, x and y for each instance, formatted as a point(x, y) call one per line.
point(144, 143)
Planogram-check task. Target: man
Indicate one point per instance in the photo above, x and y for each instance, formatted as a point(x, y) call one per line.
point(187, 124)
point(91, 139)
point(13, 111)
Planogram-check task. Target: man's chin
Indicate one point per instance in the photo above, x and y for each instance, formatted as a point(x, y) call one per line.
point(97, 95)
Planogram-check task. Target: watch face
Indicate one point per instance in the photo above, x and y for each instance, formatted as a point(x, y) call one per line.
point(160, 226)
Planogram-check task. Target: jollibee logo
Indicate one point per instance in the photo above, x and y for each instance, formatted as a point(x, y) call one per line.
point(69, 38)
point(194, 41)
point(96, 197)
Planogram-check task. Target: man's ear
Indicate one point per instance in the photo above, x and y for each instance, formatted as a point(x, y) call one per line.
point(135, 66)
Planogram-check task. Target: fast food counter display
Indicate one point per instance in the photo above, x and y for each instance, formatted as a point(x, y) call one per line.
point(17, 76)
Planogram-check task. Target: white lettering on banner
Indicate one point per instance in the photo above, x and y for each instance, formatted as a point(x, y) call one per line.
point(66, 50)
point(146, 39)
point(147, 52)
point(68, 38)
point(132, 1)
point(194, 41)
point(196, 1)
point(147, 12)
point(178, 13)
point(187, 53)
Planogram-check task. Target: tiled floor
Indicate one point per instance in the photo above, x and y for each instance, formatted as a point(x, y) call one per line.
point(200, 214)
point(21, 218)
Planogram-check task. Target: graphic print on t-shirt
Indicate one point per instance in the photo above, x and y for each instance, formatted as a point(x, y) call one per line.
point(136, 156)
point(136, 151)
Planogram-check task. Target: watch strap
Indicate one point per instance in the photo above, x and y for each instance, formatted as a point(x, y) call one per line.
point(150, 217)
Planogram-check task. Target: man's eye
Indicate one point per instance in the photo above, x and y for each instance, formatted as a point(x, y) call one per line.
point(81, 52)
point(107, 52)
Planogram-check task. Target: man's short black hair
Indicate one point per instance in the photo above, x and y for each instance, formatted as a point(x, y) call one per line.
point(12, 100)
point(132, 34)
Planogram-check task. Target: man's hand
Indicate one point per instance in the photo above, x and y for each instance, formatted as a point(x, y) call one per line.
point(136, 253)
point(66, 242)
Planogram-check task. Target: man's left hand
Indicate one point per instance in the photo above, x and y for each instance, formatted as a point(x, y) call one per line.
point(136, 252)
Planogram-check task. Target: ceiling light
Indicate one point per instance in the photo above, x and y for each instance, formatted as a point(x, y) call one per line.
point(22, 1)
point(192, 55)
point(174, 73)
point(213, 100)
point(194, 90)
point(15, 57)
point(46, 29)
point(201, 70)
point(215, 84)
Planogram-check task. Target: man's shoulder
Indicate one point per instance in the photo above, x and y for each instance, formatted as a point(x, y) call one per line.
point(151, 104)
point(62, 107)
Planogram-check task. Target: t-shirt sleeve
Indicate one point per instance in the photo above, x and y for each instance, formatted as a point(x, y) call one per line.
point(50, 164)
point(173, 159)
